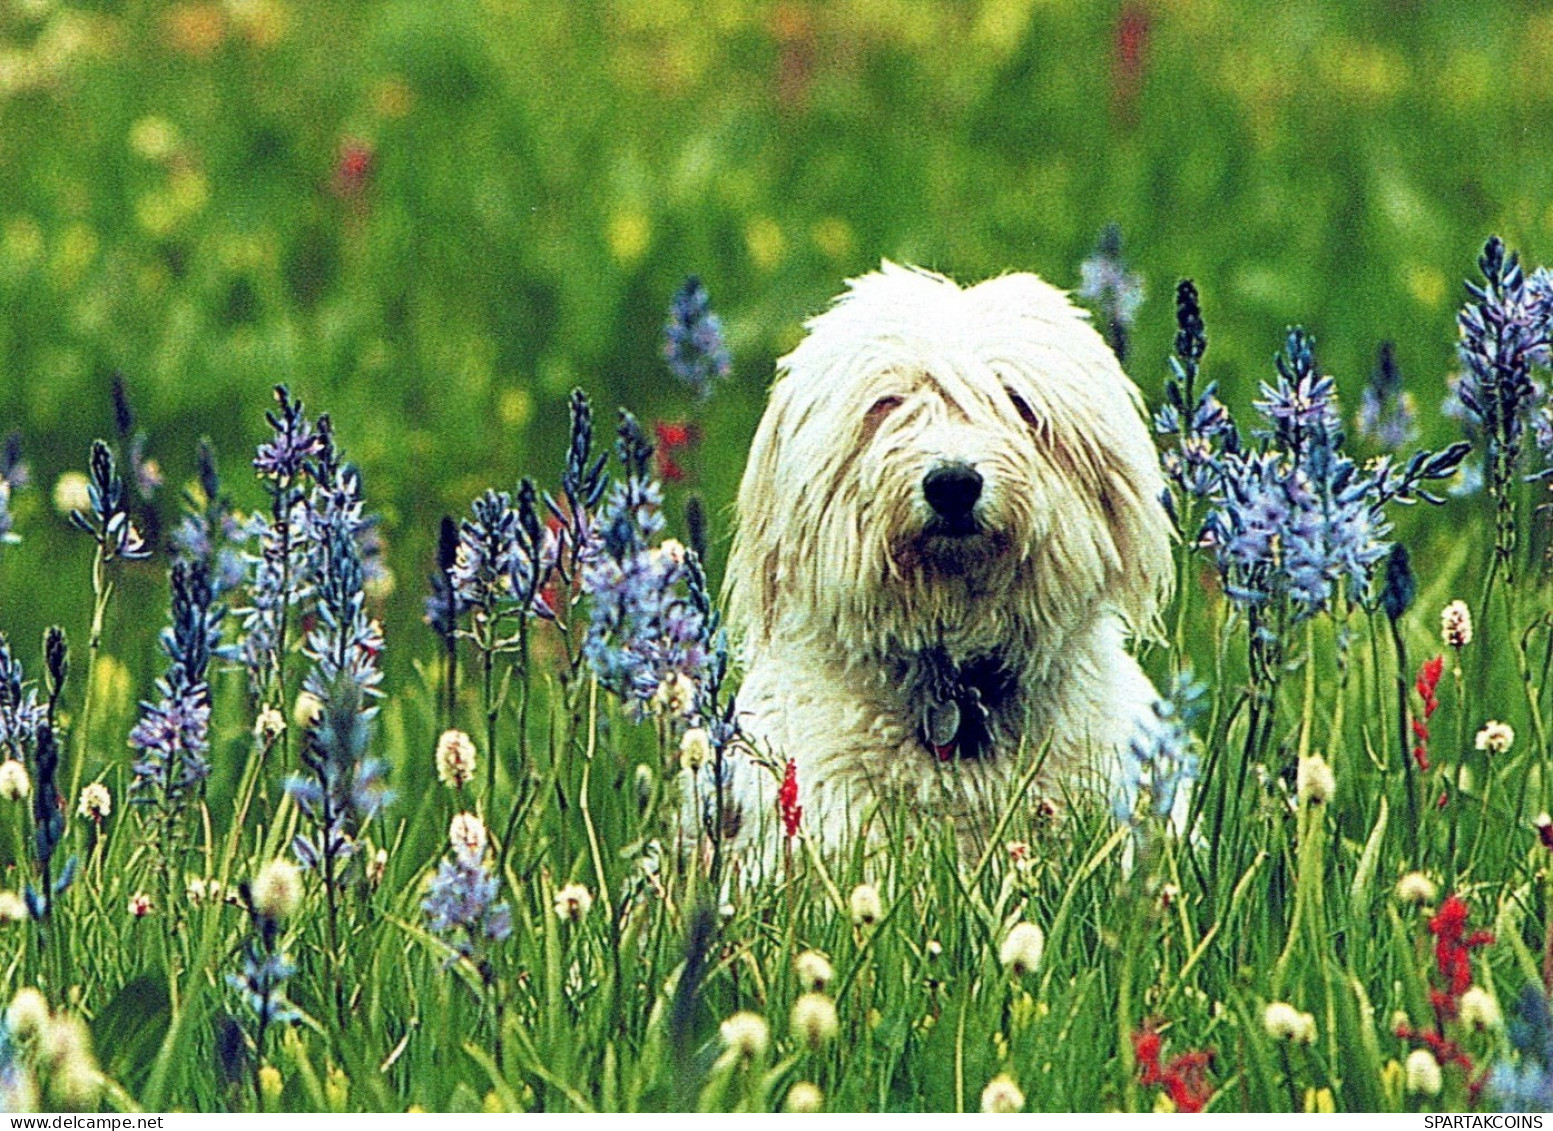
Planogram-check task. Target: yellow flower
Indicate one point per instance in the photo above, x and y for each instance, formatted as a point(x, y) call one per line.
point(337, 1088)
point(270, 1083)
point(1320, 1100)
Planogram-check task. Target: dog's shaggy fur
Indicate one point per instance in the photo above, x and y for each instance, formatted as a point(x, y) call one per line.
point(904, 634)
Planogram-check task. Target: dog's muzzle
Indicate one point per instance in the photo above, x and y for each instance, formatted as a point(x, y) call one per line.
point(952, 490)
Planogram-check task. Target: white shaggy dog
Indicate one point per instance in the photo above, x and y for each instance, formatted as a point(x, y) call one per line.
point(949, 520)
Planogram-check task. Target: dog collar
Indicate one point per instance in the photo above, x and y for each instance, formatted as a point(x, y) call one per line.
point(956, 703)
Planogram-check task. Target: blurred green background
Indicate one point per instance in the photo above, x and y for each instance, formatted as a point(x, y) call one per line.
point(434, 219)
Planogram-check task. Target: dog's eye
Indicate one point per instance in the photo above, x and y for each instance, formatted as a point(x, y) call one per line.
point(1022, 407)
point(882, 408)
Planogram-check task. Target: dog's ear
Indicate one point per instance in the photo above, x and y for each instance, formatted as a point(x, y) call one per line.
point(755, 567)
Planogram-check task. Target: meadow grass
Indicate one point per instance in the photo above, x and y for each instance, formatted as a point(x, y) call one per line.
point(435, 221)
point(1148, 985)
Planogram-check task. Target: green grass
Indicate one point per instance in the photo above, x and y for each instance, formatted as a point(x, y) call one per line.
point(542, 178)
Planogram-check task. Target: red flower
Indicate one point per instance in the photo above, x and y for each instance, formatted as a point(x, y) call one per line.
point(1129, 58)
point(673, 436)
point(354, 168)
point(1427, 682)
point(1184, 1079)
point(787, 800)
point(1453, 953)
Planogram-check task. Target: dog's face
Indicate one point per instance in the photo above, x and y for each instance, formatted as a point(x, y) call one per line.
point(942, 464)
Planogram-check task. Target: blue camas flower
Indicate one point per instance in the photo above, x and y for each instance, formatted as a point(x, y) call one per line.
point(1526, 1084)
point(294, 441)
point(462, 898)
point(487, 552)
point(209, 534)
point(1504, 336)
point(693, 339)
point(343, 788)
point(1199, 422)
point(645, 631)
point(1161, 760)
point(583, 482)
point(1113, 291)
point(172, 736)
point(344, 643)
point(20, 712)
point(1297, 520)
point(443, 604)
point(109, 521)
point(1386, 412)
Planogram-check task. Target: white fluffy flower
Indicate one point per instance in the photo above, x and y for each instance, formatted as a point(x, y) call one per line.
point(814, 1019)
point(573, 902)
point(1285, 1023)
point(695, 749)
point(95, 802)
point(1422, 1073)
point(1002, 1096)
point(1456, 625)
point(866, 906)
point(1495, 737)
point(1314, 780)
point(804, 1097)
point(1022, 948)
point(746, 1034)
point(455, 759)
point(277, 890)
point(1479, 1010)
point(28, 1014)
point(14, 782)
point(467, 835)
point(13, 908)
point(814, 970)
point(1417, 889)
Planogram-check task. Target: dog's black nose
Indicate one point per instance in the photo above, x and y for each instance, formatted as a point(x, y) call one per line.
point(952, 489)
